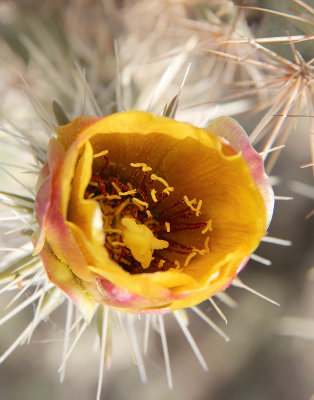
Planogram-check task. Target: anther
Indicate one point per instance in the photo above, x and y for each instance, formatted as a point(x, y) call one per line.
point(209, 226)
point(102, 153)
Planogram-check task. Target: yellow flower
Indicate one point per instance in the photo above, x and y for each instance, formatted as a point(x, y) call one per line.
point(148, 214)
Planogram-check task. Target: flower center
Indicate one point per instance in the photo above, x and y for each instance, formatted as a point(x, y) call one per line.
point(140, 225)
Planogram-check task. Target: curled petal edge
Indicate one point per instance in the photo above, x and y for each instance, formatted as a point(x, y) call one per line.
point(233, 132)
point(59, 274)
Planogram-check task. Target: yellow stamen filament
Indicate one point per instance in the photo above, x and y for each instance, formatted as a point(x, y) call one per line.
point(189, 258)
point(199, 251)
point(113, 197)
point(168, 190)
point(153, 194)
point(177, 264)
point(155, 177)
point(125, 261)
point(208, 227)
point(103, 207)
point(99, 197)
point(128, 193)
point(90, 195)
point(91, 183)
point(206, 247)
point(117, 243)
point(161, 263)
point(145, 167)
point(190, 204)
point(167, 225)
point(116, 187)
point(111, 230)
point(204, 251)
point(149, 214)
point(198, 208)
point(102, 153)
point(122, 207)
point(139, 202)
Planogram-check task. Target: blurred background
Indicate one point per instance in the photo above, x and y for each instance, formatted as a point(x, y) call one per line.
point(134, 55)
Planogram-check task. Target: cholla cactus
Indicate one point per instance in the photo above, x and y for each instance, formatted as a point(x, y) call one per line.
point(137, 213)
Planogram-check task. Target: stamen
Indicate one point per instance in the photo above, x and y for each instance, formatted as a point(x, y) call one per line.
point(113, 197)
point(91, 183)
point(161, 263)
point(111, 230)
point(99, 197)
point(128, 193)
point(209, 227)
point(177, 264)
point(122, 207)
point(117, 189)
point(143, 166)
point(167, 225)
point(198, 208)
point(139, 202)
point(153, 194)
point(189, 258)
point(117, 243)
point(190, 204)
point(168, 189)
point(206, 247)
point(102, 153)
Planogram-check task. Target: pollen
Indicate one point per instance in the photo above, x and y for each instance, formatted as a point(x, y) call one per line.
point(167, 225)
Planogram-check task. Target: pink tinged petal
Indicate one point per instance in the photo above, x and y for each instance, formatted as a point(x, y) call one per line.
point(228, 283)
point(60, 275)
point(44, 173)
point(122, 298)
point(42, 204)
point(56, 154)
point(44, 193)
point(62, 242)
point(231, 130)
point(52, 223)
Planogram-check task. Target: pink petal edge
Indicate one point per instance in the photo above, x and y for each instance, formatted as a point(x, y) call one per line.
point(230, 129)
point(60, 275)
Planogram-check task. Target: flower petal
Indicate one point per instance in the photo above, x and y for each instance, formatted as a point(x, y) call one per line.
point(85, 213)
point(231, 130)
point(60, 274)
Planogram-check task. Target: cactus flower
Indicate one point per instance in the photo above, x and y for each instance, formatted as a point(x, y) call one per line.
point(147, 214)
